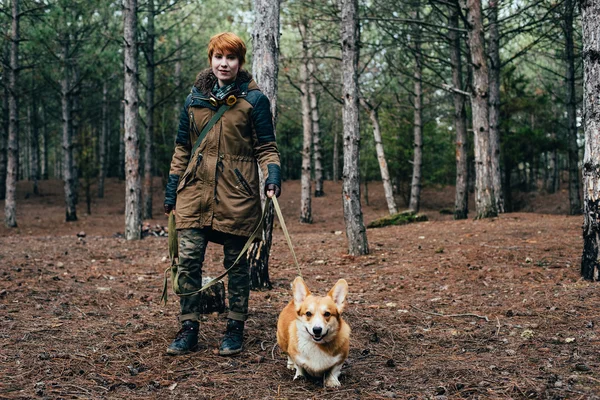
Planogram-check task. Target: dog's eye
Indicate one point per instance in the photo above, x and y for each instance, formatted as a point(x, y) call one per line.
point(308, 314)
point(327, 314)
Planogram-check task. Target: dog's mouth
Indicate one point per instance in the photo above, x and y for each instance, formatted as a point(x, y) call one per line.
point(315, 337)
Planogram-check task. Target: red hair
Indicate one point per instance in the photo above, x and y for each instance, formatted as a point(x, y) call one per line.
point(227, 42)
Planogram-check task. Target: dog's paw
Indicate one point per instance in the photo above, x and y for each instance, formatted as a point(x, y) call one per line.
point(299, 374)
point(291, 364)
point(332, 381)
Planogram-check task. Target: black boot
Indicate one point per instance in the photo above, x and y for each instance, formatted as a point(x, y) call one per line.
point(233, 339)
point(186, 339)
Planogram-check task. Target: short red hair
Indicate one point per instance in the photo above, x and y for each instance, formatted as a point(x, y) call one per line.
point(227, 42)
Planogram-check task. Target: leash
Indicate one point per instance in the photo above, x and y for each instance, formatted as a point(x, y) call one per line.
point(174, 252)
point(285, 232)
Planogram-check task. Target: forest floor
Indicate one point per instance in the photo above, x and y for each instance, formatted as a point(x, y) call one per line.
point(443, 309)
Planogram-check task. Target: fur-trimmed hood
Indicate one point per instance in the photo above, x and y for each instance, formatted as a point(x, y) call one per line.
point(205, 80)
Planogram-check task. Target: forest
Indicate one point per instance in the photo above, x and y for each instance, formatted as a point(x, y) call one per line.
point(471, 123)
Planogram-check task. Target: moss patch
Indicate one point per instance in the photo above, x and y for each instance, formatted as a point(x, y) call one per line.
point(401, 218)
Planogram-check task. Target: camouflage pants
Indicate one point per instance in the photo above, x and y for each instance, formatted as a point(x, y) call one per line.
point(192, 248)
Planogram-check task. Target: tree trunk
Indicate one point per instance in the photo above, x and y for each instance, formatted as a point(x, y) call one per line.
point(494, 103)
point(553, 169)
point(316, 128)
point(415, 187)
point(121, 169)
point(574, 183)
point(10, 204)
point(44, 146)
point(34, 145)
point(133, 222)
point(590, 15)
point(336, 155)
point(461, 199)
point(265, 68)
point(24, 148)
point(76, 130)
point(3, 142)
point(177, 81)
point(484, 191)
point(355, 229)
point(150, 67)
point(102, 143)
point(67, 138)
point(307, 142)
point(383, 167)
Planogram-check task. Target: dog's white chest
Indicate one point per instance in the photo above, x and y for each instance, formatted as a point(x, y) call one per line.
point(312, 358)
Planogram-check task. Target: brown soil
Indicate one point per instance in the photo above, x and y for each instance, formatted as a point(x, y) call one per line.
point(488, 309)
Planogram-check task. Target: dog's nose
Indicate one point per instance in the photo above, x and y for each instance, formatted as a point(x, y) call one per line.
point(317, 330)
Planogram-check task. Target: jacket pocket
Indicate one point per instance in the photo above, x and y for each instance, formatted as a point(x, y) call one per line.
point(243, 182)
point(190, 174)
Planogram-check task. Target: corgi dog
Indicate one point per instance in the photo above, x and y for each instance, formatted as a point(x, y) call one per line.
point(312, 333)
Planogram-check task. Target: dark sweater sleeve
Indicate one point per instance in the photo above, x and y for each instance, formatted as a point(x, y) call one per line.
point(181, 154)
point(265, 148)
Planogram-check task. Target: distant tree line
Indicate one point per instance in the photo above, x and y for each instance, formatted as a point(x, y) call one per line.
point(485, 96)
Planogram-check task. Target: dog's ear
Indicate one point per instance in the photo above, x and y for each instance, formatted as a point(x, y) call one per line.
point(300, 291)
point(338, 293)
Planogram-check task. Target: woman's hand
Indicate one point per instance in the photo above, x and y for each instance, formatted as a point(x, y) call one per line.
point(272, 189)
point(169, 208)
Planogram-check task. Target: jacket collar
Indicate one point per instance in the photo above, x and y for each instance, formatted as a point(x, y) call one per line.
point(205, 81)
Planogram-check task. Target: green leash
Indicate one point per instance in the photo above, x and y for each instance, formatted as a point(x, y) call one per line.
point(174, 252)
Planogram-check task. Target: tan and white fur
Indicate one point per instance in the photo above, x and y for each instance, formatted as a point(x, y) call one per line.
point(311, 331)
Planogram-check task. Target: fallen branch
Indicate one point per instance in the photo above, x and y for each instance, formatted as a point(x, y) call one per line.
point(452, 315)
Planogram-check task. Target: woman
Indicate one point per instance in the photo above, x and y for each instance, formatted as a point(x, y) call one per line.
point(214, 185)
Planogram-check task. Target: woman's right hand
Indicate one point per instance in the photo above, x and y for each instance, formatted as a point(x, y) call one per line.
point(169, 208)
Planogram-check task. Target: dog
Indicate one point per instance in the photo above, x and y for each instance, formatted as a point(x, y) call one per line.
point(311, 331)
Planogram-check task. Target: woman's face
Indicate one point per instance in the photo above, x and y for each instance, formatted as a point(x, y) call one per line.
point(225, 66)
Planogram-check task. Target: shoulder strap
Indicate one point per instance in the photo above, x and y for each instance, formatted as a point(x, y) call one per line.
point(208, 126)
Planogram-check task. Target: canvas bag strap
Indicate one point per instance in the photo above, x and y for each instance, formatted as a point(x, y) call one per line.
point(208, 126)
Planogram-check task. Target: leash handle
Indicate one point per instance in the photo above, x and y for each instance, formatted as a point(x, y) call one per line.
point(285, 232)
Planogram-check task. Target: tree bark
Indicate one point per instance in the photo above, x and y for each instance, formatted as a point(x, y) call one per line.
point(102, 142)
point(67, 137)
point(265, 68)
point(3, 142)
point(461, 198)
point(336, 155)
point(415, 187)
point(121, 169)
point(383, 167)
point(316, 128)
point(355, 229)
point(44, 146)
point(484, 191)
point(494, 103)
point(76, 131)
point(10, 203)
point(177, 81)
point(34, 145)
point(574, 182)
point(590, 15)
point(150, 71)
point(307, 142)
point(133, 223)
